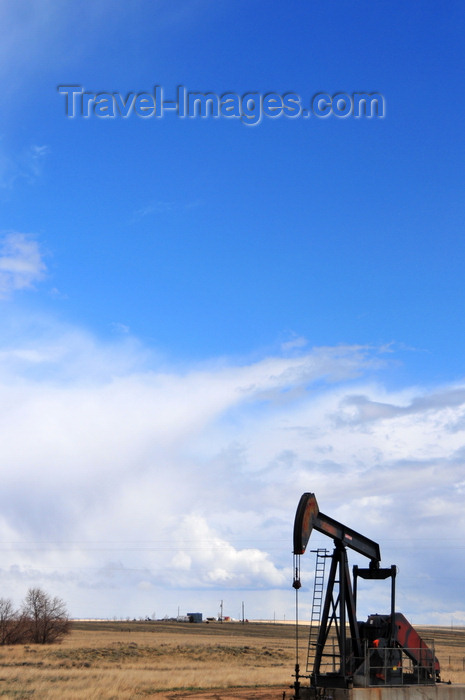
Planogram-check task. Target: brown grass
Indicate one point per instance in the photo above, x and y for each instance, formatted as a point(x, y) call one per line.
point(125, 661)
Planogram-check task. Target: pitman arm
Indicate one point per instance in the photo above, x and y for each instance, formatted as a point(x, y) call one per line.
point(308, 516)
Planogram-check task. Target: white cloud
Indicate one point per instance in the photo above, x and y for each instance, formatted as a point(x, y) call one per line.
point(21, 263)
point(295, 342)
point(25, 165)
point(124, 479)
point(204, 556)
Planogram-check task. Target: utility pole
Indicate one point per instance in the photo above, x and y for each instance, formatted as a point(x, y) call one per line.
point(221, 611)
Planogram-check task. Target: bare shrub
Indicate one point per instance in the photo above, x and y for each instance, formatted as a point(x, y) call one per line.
point(12, 624)
point(41, 620)
point(45, 618)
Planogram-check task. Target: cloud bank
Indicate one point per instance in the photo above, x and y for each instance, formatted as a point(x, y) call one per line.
point(130, 487)
point(133, 487)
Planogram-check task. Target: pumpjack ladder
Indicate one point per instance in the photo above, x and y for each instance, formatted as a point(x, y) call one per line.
point(317, 605)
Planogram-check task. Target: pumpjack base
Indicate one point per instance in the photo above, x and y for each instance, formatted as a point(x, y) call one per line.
point(440, 691)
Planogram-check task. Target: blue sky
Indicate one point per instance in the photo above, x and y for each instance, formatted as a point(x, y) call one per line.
point(202, 319)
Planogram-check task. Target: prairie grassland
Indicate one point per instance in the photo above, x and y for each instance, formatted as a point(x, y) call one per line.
point(124, 661)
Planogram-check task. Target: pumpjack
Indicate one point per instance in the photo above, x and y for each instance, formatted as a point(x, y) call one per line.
point(343, 653)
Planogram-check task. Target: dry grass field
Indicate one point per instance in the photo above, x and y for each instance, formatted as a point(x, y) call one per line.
point(129, 660)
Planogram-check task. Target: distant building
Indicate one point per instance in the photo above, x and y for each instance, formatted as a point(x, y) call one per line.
point(195, 617)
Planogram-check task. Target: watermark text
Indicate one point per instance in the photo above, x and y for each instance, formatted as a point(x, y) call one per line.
point(250, 108)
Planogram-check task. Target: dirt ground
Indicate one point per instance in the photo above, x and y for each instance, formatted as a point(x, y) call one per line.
point(234, 694)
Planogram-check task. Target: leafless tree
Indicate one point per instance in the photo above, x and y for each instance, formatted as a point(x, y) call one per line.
point(46, 618)
point(13, 628)
point(7, 617)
